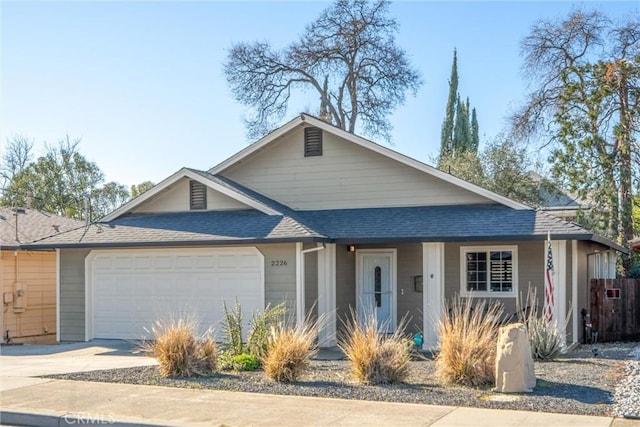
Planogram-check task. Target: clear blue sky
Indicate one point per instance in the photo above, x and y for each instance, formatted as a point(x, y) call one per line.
point(142, 84)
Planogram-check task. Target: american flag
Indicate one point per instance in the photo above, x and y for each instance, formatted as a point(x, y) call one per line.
point(549, 301)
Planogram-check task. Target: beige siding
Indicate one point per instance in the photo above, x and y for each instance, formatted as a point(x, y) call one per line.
point(72, 294)
point(176, 199)
point(345, 176)
point(280, 280)
point(531, 260)
point(36, 273)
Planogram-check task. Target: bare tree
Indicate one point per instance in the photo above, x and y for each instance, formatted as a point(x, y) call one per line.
point(585, 71)
point(17, 155)
point(353, 45)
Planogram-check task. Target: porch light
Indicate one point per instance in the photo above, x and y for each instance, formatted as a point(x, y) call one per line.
point(351, 248)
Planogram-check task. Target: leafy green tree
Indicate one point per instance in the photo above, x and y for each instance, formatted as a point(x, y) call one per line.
point(446, 139)
point(585, 71)
point(64, 182)
point(144, 186)
point(353, 42)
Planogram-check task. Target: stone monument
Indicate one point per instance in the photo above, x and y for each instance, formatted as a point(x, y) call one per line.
point(514, 364)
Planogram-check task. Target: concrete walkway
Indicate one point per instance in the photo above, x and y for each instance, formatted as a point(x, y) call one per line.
point(42, 402)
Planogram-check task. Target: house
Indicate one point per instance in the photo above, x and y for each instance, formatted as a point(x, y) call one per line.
point(320, 219)
point(28, 277)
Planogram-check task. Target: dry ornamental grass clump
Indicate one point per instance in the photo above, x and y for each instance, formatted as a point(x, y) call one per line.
point(376, 358)
point(289, 350)
point(468, 340)
point(180, 351)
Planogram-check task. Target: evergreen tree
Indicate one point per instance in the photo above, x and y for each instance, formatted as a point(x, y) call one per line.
point(446, 140)
point(475, 131)
point(324, 104)
point(461, 133)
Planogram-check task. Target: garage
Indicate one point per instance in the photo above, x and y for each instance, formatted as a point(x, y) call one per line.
point(128, 290)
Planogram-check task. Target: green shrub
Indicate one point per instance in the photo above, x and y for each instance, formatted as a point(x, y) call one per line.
point(180, 352)
point(289, 350)
point(375, 357)
point(468, 341)
point(232, 330)
point(546, 339)
point(245, 362)
point(260, 329)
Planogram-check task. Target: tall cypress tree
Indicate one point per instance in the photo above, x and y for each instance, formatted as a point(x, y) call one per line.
point(446, 139)
point(461, 134)
point(324, 110)
point(475, 131)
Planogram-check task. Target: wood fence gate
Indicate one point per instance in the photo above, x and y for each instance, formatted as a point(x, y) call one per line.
point(615, 309)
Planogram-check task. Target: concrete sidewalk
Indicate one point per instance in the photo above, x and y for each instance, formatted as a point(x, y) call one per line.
point(60, 403)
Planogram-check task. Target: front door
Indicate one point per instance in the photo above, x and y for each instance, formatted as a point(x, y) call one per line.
point(376, 286)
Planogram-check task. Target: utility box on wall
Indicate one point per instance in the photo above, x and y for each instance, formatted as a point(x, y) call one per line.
point(20, 300)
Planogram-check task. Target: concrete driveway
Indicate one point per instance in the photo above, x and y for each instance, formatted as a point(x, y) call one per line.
point(22, 366)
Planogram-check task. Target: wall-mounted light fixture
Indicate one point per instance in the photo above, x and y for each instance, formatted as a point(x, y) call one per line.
point(351, 248)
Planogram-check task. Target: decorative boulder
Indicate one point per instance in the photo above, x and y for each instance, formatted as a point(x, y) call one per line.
point(514, 364)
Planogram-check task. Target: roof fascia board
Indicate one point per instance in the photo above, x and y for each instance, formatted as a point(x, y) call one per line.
point(184, 172)
point(303, 118)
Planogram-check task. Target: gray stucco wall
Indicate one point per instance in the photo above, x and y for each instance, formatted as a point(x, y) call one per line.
point(72, 295)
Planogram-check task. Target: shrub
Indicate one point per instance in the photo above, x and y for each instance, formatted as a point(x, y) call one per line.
point(289, 350)
point(245, 362)
point(260, 329)
point(232, 329)
point(546, 339)
point(180, 352)
point(375, 357)
point(468, 340)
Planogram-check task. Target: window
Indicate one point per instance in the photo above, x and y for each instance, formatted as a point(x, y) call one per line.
point(312, 142)
point(377, 283)
point(488, 270)
point(197, 195)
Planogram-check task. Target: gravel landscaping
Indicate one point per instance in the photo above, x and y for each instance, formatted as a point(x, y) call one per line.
point(577, 383)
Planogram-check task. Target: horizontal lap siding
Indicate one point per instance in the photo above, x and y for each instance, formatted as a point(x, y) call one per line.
point(345, 176)
point(36, 270)
point(280, 280)
point(72, 294)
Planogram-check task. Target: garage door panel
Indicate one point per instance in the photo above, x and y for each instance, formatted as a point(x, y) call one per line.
point(133, 289)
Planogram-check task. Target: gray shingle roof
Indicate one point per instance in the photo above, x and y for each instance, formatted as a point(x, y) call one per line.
point(204, 227)
point(438, 223)
point(32, 225)
point(419, 224)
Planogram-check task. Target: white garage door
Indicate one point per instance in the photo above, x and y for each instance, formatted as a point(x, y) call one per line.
point(130, 289)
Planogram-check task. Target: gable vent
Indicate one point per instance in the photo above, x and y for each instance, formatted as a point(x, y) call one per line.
point(197, 195)
point(312, 142)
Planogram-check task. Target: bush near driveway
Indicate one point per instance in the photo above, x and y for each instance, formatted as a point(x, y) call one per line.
point(180, 352)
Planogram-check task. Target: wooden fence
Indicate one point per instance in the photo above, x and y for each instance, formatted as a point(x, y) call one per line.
point(615, 309)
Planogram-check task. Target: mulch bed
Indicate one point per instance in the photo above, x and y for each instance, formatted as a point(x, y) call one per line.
point(577, 383)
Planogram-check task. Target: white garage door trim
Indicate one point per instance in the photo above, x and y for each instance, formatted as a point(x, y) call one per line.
point(90, 272)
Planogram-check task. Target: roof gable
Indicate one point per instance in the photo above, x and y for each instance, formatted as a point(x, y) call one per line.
point(163, 194)
point(454, 186)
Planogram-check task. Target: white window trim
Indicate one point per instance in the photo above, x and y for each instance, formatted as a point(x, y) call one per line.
point(487, 294)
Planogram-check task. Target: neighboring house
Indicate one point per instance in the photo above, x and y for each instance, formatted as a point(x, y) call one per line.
point(318, 218)
point(561, 203)
point(28, 277)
